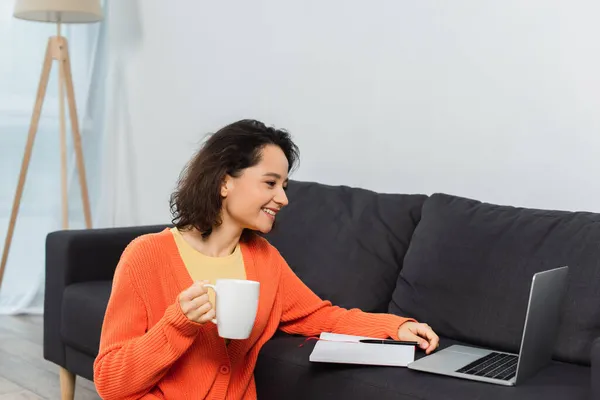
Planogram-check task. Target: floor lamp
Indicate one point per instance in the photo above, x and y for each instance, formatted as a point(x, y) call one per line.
point(55, 11)
point(59, 12)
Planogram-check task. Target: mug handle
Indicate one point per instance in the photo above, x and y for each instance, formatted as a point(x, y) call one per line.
point(213, 287)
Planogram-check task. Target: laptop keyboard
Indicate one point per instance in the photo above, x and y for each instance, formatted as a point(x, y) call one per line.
point(494, 365)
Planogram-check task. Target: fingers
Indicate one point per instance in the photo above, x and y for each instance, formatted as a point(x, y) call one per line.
point(196, 290)
point(200, 314)
point(195, 304)
point(433, 340)
point(207, 316)
point(413, 337)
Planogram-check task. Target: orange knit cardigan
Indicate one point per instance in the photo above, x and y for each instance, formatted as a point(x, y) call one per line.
point(150, 350)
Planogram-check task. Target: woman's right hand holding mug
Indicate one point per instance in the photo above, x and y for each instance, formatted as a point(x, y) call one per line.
point(195, 304)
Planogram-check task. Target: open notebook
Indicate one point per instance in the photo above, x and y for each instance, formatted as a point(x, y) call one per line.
point(346, 349)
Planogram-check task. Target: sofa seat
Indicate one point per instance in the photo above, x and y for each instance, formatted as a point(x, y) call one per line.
point(83, 308)
point(284, 371)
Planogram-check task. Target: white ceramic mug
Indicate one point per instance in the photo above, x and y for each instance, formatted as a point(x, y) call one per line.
point(237, 304)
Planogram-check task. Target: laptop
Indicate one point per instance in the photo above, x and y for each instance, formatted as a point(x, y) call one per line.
point(537, 343)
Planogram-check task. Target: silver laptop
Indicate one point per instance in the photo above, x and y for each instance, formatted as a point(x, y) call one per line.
point(539, 336)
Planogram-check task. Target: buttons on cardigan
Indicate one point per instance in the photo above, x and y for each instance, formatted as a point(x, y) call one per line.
point(224, 369)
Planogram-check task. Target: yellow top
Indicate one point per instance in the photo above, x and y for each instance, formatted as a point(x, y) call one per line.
point(202, 267)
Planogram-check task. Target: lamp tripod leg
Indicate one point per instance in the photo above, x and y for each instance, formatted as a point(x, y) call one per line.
point(66, 64)
point(63, 137)
point(35, 119)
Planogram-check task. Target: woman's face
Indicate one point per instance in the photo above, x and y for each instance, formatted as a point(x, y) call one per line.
point(253, 199)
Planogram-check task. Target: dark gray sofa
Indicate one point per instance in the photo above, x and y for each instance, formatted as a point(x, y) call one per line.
point(460, 265)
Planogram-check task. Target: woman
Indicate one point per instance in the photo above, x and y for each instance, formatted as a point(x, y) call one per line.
point(157, 341)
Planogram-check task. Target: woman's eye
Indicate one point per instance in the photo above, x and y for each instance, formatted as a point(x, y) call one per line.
point(272, 184)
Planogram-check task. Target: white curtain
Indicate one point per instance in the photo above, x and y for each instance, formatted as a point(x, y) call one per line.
point(118, 204)
point(22, 45)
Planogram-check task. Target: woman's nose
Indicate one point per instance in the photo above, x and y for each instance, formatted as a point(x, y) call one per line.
point(281, 198)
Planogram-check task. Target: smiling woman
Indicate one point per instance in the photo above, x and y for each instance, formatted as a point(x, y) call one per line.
point(237, 180)
point(157, 340)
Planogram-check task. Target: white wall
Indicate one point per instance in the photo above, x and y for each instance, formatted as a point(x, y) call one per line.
point(496, 100)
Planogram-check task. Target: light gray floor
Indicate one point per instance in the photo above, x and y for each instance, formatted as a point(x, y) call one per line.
point(24, 374)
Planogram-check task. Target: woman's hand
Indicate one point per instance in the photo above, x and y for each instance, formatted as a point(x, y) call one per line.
point(420, 333)
point(195, 305)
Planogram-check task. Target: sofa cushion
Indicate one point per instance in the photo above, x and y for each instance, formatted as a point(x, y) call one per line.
point(83, 308)
point(346, 244)
point(469, 267)
point(283, 371)
point(596, 369)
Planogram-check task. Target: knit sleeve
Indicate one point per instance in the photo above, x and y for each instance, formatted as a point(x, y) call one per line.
point(306, 314)
point(133, 357)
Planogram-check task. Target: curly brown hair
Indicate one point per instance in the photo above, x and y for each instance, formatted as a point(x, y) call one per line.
point(197, 202)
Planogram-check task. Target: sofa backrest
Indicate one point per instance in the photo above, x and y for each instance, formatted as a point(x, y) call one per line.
point(469, 267)
point(346, 244)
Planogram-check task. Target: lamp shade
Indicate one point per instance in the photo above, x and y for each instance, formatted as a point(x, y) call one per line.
point(66, 11)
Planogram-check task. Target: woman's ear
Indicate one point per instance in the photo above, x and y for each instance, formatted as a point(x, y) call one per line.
point(226, 186)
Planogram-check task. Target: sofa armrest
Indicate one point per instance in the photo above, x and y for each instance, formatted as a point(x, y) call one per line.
point(595, 357)
point(79, 256)
point(89, 254)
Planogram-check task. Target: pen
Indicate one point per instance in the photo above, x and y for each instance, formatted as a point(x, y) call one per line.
point(384, 341)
